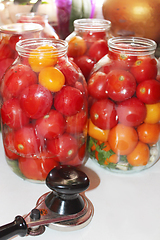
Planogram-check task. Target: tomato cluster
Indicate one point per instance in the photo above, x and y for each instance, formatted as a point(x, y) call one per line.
point(44, 112)
point(87, 49)
point(124, 110)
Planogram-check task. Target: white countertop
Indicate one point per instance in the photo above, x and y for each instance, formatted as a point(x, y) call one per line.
point(126, 206)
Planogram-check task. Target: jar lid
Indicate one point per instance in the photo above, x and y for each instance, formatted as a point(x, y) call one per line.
point(19, 28)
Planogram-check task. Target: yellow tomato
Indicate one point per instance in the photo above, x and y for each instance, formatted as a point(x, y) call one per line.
point(153, 113)
point(97, 133)
point(43, 56)
point(52, 79)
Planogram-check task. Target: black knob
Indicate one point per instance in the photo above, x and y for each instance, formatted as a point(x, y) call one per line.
point(66, 183)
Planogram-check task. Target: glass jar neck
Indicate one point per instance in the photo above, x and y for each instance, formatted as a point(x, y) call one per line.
point(95, 25)
point(25, 47)
point(132, 45)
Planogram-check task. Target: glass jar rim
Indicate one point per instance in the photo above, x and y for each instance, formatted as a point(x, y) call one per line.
point(31, 15)
point(20, 28)
point(24, 47)
point(132, 45)
point(94, 24)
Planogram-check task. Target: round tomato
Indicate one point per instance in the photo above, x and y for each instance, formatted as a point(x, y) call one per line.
point(98, 50)
point(8, 142)
point(131, 112)
point(149, 133)
point(37, 168)
point(122, 139)
point(140, 155)
point(103, 114)
point(51, 125)
point(78, 159)
point(97, 133)
point(148, 91)
point(26, 142)
point(76, 124)
point(76, 46)
point(4, 65)
point(13, 40)
point(36, 101)
point(86, 64)
point(65, 147)
point(68, 101)
point(144, 68)
point(6, 51)
point(153, 113)
point(97, 85)
point(121, 85)
point(16, 79)
point(90, 37)
point(12, 114)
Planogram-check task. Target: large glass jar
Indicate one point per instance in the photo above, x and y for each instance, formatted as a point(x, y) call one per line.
point(44, 110)
point(42, 19)
point(124, 106)
point(88, 43)
point(10, 34)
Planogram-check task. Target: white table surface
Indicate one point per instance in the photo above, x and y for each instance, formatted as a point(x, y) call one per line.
point(126, 206)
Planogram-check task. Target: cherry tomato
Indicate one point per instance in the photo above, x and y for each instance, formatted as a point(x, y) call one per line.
point(153, 113)
point(97, 133)
point(85, 63)
point(68, 101)
point(16, 79)
point(26, 141)
point(51, 78)
point(12, 114)
point(51, 125)
point(37, 168)
point(98, 50)
point(131, 112)
point(148, 91)
point(6, 51)
point(90, 37)
point(78, 159)
point(9, 146)
point(13, 40)
point(144, 69)
point(65, 147)
point(149, 133)
point(76, 46)
point(122, 139)
point(76, 124)
point(97, 85)
point(4, 65)
point(121, 85)
point(103, 114)
point(35, 101)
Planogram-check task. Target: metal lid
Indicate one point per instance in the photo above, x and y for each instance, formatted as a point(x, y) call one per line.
point(19, 28)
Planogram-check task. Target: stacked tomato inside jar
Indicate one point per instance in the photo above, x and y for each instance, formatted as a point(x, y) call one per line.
point(44, 110)
point(124, 106)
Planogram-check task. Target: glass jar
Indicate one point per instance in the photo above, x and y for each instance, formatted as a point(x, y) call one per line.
point(42, 19)
point(88, 43)
point(10, 34)
point(44, 110)
point(124, 106)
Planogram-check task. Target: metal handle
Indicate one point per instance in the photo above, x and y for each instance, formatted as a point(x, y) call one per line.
point(17, 227)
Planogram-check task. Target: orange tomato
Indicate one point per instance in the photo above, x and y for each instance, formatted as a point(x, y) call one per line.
point(149, 133)
point(140, 155)
point(122, 139)
point(52, 79)
point(76, 46)
point(97, 133)
point(43, 56)
point(153, 113)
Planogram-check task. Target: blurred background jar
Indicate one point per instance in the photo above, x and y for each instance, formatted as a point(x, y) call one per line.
point(88, 43)
point(44, 110)
point(10, 34)
point(124, 106)
point(42, 19)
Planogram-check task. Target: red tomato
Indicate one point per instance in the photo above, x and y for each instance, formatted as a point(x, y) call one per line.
point(97, 85)
point(51, 125)
point(36, 101)
point(12, 114)
point(6, 51)
point(90, 37)
point(86, 64)
point(144, 69)
point(79, 158)
point(131, 112)
point(103, 114)
point(65, 147)
point(16, 79)
point(37, 168)
point(9, 146)
point(4, 65)
point(98, 50)
point(149, 91)
point(68, 101)
point(13, 40)
point(26, 141)
point(121, 85)
point(76, 123)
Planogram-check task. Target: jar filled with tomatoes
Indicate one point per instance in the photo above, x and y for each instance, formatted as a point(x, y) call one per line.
point(88, 43)
point(9, 35)
point(124, 106)
point(44, 109)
